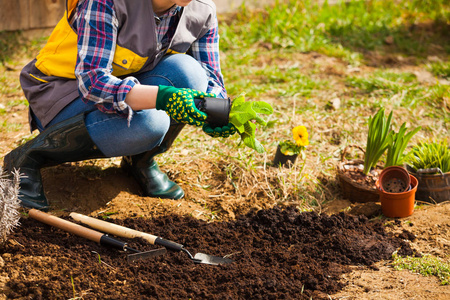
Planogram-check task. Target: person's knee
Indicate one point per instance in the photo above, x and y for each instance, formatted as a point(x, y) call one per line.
point(190, 74)
point(114, 137)
point(151, 124)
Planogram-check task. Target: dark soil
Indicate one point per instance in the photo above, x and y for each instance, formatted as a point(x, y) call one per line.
point(277, 253)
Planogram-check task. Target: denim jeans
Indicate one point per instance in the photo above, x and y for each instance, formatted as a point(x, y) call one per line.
point(111, 133)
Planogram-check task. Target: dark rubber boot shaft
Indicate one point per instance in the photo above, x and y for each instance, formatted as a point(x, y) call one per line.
point(145, 170)
point(67, 141)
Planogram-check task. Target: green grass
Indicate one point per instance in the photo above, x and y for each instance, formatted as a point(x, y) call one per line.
point(9, 41)
point(440, 69)
point(13, 43)
point(8, 86)
point(384, 83)
point(345, 30)
point(426, 266)
point(402, 88)
point(7, 126)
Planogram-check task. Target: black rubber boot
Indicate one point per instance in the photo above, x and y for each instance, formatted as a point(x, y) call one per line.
point(67, 141)
point(145, 170)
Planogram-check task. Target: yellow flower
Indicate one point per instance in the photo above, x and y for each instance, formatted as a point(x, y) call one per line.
point(301, 135)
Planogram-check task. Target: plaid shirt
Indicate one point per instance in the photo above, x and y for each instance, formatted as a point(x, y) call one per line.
point(97, 28)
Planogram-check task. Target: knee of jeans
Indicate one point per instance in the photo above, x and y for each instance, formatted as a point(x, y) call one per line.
point(154, 124)
point(190, 73)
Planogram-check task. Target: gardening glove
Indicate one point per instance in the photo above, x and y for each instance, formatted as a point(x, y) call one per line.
point(179, 104)
point(224, 131)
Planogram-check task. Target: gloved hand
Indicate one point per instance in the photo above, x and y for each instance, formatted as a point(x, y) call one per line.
point(179, 104)
point(224, 131)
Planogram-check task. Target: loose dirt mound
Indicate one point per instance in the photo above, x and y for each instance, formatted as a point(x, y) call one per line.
point(278, 254)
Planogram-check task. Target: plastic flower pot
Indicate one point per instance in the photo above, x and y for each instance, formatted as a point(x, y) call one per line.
point(394, 179)
point(283, 160)
point(398, 205)
point(217, 109)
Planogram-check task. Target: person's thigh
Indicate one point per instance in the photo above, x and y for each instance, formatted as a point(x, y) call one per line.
point(113, 136)
point(178, 70)
point(111, 133)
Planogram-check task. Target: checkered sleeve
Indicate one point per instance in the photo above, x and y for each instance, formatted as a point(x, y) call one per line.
point(97, 32)
point(206, 51)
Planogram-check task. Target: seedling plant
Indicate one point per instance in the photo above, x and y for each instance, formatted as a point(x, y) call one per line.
point(244, 115)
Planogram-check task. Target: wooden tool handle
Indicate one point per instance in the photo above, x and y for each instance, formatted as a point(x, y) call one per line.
point(124, 231)
point(111, 228)
point(65, 225)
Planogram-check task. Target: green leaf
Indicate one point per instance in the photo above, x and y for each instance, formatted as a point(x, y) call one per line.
point(251, 142)
point(260, 121)
point(250, 128)
point(378, 139)
point(397, 146)
point(239, 100)
point(262, 107)
point(271, 124)
point(244, 115)
point(240, 114)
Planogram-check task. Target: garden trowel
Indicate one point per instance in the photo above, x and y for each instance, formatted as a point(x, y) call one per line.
point(93, 235)
point(122, 231)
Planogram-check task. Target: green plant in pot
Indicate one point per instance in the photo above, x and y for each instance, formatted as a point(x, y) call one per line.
point(288, 150)
point(397, 188)
point(245, 115)
point(395, 178)
point(381, 138)
point(429, 161)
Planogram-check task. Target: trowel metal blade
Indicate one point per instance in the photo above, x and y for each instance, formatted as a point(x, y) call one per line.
point(145, 255)
point(202, 258)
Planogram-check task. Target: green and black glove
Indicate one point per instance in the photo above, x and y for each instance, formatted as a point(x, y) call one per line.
point(224, 131)
point(179, 104)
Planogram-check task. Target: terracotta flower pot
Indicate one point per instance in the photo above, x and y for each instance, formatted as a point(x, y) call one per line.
point(283, 160)
point(398, 205)
point(217, 109)
point(394, 179)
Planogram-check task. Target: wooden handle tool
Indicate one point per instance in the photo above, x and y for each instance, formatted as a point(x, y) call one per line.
point(122, 231)
point(79, 230)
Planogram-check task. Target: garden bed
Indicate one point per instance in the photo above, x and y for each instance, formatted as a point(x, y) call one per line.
point(278, 254)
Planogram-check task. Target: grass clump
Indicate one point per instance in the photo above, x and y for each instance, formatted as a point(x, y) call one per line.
point(426, 265)
point(440, 69)
point(384, 83)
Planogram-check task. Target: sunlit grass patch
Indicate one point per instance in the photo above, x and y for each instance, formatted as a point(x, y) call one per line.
point(383, 82)
point(7, 126)
point(346, 29)
point(441, 69)
point(426, 265)
point(9, 86)
point(402, 89)
point(438, 96)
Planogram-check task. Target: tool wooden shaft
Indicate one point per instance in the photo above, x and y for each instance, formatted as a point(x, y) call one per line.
point(65, 225)
point(112, 228)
